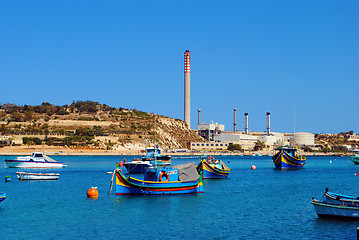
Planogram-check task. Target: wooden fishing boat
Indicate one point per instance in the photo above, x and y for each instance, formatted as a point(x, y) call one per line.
point(37, 176)
point(2, 196)
point(36, 160)
point(213, 168)
point(180, 179)
point(332, 210)
point(288, 158)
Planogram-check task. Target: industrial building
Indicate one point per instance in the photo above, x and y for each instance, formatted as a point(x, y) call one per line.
point(207, 146)
point(219, 139)
point(209, 131)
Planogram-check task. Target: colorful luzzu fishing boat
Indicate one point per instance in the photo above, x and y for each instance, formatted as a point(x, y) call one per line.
point(153, 157)
point(288, 158)
point(213, 168)
point(180, 179)
point(2, 196)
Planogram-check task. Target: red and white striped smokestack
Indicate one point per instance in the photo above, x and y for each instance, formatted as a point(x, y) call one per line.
point(187, 88)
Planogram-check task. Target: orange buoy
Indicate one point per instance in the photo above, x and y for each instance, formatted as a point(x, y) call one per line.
point(253, 167)
point(92, 192)
point(120, 164)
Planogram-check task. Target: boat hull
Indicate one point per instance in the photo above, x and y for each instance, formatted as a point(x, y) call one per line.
point(37, 176)
point(324, 209)
point(354, 159)
point(132, 186)
point(32, 164)
point(283, 160)
point(211, 171)
point(2, 197)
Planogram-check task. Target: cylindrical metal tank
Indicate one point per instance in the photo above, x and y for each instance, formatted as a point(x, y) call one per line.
point(302, 138)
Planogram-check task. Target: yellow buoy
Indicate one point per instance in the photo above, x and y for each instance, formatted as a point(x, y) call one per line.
point(92, 192)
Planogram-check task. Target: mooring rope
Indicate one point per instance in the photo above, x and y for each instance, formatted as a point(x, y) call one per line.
point(113, 174)
point(306, 208)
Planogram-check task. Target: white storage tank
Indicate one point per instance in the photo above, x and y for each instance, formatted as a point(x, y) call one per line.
point(302, 139)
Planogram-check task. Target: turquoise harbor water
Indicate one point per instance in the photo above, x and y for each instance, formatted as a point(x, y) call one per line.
point(252, 204)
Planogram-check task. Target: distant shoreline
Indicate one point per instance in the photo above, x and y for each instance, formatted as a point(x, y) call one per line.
point(66, 151)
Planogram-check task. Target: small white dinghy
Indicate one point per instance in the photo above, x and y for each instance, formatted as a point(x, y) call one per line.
point(37, 176)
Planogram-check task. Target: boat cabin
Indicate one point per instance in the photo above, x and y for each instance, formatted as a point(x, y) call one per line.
point(153, 152)
point(37, 155)
point(294, 152)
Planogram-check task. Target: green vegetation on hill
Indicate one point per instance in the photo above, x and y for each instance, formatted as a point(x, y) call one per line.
point(79, 123)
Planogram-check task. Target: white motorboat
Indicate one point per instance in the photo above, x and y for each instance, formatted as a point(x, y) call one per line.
point(37, 176)
point(36, 160)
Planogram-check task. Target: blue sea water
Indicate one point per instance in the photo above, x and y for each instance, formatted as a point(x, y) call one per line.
point(251, 204)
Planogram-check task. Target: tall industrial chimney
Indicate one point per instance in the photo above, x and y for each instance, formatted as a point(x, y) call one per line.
point(199, 116)
point(268, 123)
point(235, 120)
point(187, 88)
point(246, 123)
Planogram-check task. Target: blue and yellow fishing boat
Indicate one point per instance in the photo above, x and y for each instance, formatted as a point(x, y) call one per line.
point(2, 196)
point(288, 158)
point(213, 168)
point(180, 179)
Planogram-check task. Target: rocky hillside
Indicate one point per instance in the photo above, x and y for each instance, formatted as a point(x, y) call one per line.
point(91, 124)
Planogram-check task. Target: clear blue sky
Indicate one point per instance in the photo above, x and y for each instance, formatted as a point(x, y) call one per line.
point(292, 58)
